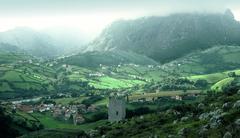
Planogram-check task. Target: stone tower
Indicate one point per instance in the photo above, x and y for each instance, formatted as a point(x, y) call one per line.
point(116, 108)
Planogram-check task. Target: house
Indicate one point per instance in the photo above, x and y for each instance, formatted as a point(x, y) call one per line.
point(150, 66)
point(30, 61)
point(104, 68)
point(45, 107)
point(69, 68)
point(78, 119)
point(92, 108)
point(13, 107)
point(177, 97)
point(42, 109)
point(25, 108)
point(65, 65)
point(67, 115)
point(73, 109)
point(82, 108)
point(97, 74)
point(149, 99)
point(76, 72)
point(57, 113)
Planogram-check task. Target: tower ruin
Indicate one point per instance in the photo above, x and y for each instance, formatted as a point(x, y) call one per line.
point(116, 108)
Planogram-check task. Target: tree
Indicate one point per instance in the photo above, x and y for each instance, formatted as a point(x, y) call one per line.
point(7, 130)
point(74, 94)
point(232, 74)
point(201, 83)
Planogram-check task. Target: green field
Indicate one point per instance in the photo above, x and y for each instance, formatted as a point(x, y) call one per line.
point(214, 77)
point(111, 83)
point(10, 57)
point(216, 59)
point(218, 87)
point(102, 102)
point(49, 122)
point(41, 78)
point(5, 87)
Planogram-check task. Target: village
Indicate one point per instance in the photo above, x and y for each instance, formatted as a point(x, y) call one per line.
point(70, 113)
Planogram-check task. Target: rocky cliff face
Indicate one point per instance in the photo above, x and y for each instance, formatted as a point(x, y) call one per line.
point(167, 38)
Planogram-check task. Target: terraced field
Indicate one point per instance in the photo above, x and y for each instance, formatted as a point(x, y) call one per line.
point(215, 59)
point(113, 83)
point(113, 77)
point(16, 80)
point(218, 87)
point(26, 77)
point(9, 57)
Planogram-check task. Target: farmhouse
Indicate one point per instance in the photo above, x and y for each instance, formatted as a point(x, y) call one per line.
point(58, 113)
point(44, 107)
point(78, 119)
point(177, 97)
point(92, 108)
point(67, 114)
point(97, 74)
point(82, 108)
point(25, 108)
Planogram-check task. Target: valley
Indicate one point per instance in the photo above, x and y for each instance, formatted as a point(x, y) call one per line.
point(161, 76)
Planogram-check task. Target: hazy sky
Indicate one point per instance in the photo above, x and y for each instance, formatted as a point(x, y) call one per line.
point(93, 15)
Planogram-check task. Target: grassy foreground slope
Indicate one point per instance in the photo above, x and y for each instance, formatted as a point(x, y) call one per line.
point(56, 133)
point(185, 120)
point(208, 117)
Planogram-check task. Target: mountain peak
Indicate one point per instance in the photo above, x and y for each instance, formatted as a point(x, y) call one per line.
point(229, 13)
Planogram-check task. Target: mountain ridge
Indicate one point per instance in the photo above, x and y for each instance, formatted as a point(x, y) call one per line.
point(167, 38)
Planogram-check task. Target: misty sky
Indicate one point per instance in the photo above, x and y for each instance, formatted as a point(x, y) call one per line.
point(93, 15)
